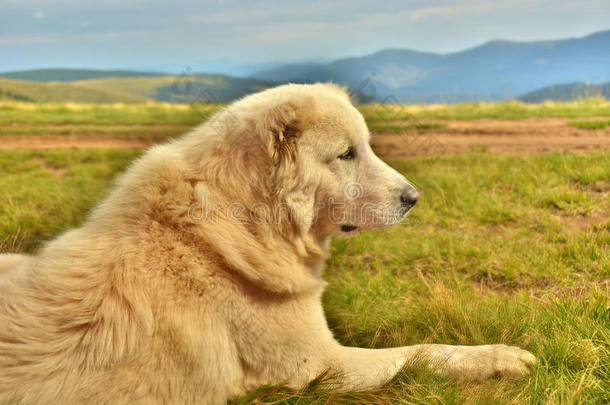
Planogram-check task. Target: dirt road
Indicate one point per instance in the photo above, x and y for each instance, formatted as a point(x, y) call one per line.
point(538, 135)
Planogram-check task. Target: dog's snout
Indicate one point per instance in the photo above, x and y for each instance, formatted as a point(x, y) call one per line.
point(409, 196)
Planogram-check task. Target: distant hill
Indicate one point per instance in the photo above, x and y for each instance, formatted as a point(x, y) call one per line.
point(107, 89)
point(69, 75)
point(496, 70)
point(180, 89)
point(567, 92)
point(493, 71)
point(288, 73)
point(21, 90)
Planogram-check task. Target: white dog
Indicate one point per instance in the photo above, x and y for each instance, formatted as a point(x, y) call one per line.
point(199, 278)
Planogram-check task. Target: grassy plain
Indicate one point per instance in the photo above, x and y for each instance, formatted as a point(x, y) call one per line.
point(500, 249)
point(155, 113)
point(590, 124)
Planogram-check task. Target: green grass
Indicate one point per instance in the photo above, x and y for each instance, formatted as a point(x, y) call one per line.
point(590, 124)
point(375, 126)
point(15, 113)
point(44, 193)
point(390, 117)
point(510, 110)
point(500, 249)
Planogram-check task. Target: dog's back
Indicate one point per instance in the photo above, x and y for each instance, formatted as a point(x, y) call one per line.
point(10, 261)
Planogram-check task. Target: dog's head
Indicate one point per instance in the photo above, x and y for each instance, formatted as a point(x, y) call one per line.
point(300, 154)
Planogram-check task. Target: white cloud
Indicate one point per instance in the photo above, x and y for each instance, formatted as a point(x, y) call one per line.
point(192, 30)
point(67, 39)
point(229, 17)
point(424, 13)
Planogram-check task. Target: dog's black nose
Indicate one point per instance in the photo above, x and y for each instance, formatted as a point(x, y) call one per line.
point(409, 197)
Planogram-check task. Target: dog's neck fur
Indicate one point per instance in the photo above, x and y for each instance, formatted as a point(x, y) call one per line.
point(280, 259)
point(271, 247)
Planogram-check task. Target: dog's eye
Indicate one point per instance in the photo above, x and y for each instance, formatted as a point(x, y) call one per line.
point(349, 154)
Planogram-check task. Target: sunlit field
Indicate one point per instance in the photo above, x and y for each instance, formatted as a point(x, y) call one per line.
point(190, 114)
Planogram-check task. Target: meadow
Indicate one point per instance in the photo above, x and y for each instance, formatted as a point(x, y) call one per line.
point(590, 124)
point(510, 249)
point(156, 113)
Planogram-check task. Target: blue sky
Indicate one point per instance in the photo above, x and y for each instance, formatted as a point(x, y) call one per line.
point(226, 34)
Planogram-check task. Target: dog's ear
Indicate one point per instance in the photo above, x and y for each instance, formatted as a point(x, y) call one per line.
point(279, 128)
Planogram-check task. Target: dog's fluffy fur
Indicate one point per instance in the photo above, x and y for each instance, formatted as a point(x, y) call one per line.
point(199, 277)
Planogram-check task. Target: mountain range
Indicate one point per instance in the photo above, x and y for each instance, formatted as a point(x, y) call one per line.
point(496, 70)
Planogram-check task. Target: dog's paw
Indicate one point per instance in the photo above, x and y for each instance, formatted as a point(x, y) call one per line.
point(510, 361)
point(482, 362)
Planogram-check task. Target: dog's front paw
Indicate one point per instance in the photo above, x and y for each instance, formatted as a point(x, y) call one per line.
point(508, 361)
point(481, 362)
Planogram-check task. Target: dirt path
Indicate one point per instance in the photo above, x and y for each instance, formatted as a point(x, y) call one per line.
point(71, 142)
point(121, 141)
point(538, 135)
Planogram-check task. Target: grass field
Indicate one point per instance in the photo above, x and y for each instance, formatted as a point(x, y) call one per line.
point(18, 113)
point(509, 110)
point(590, 124)
point(500, 249)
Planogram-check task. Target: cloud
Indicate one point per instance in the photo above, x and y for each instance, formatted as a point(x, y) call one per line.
point(190, 31)
point(424, 13)
point(229, 17)
point(70, 39)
